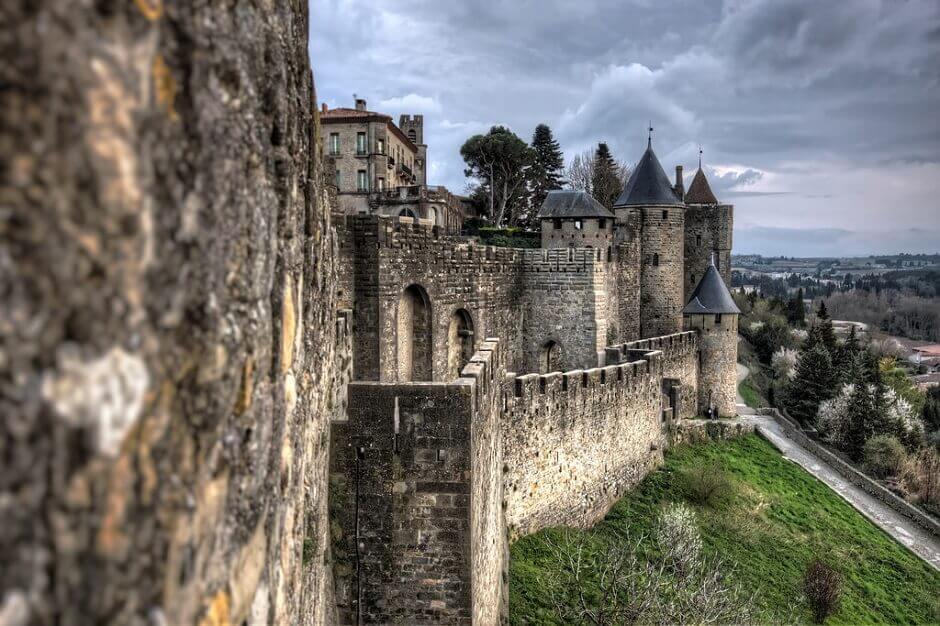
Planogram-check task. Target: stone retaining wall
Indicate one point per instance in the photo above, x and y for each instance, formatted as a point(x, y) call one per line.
point(854, 476)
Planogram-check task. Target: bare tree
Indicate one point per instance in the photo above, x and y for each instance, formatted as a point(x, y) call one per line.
point(616, 584)
point(580, 172)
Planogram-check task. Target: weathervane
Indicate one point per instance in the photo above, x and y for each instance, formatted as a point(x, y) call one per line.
point(700, 156)
point(649, 137)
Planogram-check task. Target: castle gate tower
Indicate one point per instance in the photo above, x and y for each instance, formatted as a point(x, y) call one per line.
point(712, 312)
point(650, 198)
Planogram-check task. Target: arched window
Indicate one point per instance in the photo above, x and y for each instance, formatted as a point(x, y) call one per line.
point(550, 357)
point(414, 335)
point(459, 342)
point(406, 213)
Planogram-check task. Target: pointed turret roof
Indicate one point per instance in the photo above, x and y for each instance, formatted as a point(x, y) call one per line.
point(711, 296)
point(700, 192)
point(571, 203)
point(648, 184)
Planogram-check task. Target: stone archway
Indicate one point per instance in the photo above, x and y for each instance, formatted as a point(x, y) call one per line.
point(459, 342)
point(550, 357)
point(414, 335)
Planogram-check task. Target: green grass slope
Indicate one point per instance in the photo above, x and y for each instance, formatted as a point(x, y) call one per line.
point(778, 519)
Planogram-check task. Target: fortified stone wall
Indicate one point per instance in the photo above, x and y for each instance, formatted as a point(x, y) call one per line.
point(661, 270)
point(167, 326)
point(680, 363)
point(575, 442)
point(629, 258)
point(708, 229)
point(526, 297)
point(566, 302)
point(416, 493)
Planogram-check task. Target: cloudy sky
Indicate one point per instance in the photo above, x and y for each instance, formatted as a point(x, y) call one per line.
point(819, 119)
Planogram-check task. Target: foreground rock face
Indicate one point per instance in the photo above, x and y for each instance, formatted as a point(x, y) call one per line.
point(167, 324)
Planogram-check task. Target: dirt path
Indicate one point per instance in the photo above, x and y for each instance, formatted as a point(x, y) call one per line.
point(743, 408)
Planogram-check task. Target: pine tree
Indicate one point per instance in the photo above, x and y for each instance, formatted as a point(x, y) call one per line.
point(822, 332)
point(796, 315)
point(814, 383)
point(547, 167)
point(606, 184)
point(861, 412)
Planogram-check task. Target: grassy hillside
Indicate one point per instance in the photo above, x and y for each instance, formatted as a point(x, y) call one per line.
point(778, 519)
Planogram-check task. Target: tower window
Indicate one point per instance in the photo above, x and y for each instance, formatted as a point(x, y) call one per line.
point(693, 279)
point(602, 223)
point(578, 225)
point(656, 260)
point(665, 215)
point(698, 240)
point(556, 224)
point(718, 318)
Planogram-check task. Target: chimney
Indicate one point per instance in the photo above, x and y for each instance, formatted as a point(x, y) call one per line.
point(360, 104)
point(324, 108)
point(680, 186)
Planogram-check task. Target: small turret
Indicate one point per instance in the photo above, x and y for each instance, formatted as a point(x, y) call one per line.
point(574, 219)
point(712, 312)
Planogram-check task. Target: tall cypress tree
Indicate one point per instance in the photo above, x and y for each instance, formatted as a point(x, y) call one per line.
point(606, 183)
point(547, 166)
point(822, 331)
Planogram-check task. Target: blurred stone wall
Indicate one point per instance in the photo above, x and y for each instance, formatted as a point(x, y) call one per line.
point(167, 322)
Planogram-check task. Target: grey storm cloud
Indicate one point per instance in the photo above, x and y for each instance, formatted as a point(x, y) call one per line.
point(831, 105)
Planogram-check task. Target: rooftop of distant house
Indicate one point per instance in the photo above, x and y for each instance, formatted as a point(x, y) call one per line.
point(362, 114)
point(932, 350)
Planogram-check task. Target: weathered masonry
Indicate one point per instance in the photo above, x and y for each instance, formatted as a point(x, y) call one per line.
point(450, 448)
point(221, 407)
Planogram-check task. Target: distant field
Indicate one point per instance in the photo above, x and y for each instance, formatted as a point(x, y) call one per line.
point(778, 520)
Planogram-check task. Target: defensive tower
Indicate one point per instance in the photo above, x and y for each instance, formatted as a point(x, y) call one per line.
point(650, 200)
point(712, 312)
point(708, 229)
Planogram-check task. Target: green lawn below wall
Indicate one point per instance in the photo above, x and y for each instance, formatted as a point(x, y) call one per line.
point(778, 519)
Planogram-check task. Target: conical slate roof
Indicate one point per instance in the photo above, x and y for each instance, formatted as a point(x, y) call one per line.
point(699, 191)
point(567, 203)
point(711, 296)
point(648, 184)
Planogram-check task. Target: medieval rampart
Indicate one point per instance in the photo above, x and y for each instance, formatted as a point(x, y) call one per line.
point(529, 298)
point(680, 368)
point(416, 491)
point(574, 442)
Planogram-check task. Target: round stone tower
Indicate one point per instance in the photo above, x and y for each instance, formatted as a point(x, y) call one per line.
point(650, 199)
point(712, 312)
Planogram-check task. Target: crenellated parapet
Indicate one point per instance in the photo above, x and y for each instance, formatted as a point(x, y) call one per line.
point(576, 441)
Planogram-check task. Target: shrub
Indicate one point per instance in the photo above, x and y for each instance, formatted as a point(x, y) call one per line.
point(678, 537)
point(706, 484)
point(883, 456)
point(920, 476)
point(822, 586)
